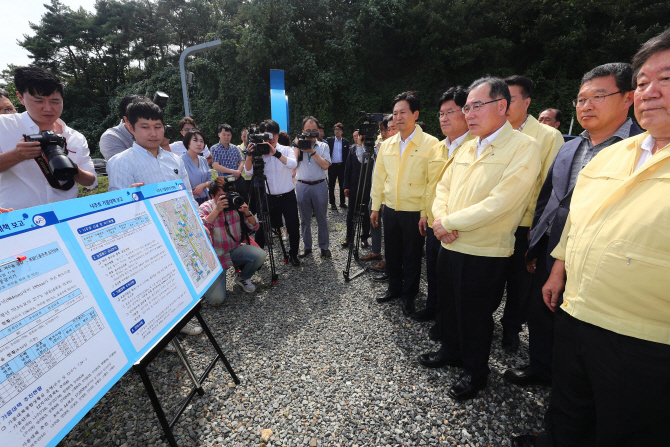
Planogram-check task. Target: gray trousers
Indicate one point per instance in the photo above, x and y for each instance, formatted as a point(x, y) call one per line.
point(313, 197)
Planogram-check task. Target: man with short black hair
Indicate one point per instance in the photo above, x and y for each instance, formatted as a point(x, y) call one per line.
point(611, 385)
point(311, 189)
point(399, 182)
point(227, 158)
point(602, 105)
point(455, 129)
point(279, 166)
point(518, 279)
point(185, 124)
point(550, 117)
point(339, 151)
point(24, 181)
point(478, 206)
point(117, 139)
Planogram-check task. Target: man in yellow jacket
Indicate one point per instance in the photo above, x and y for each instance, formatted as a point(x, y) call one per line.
point(519, 280)
point(611, 384)
point(455, 129)
point(399, 182)
point(479, 204)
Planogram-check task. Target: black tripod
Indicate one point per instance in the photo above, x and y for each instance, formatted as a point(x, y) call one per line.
point(260, 186)
point(361, 207)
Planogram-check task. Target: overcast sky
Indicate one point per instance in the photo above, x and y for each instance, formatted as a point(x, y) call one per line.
point(16, 17)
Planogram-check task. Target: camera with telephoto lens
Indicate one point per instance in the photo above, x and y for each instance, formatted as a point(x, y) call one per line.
point(304, 140)
point(55, 150)
point(169, 132)
point(368, 130)
point(235, 200)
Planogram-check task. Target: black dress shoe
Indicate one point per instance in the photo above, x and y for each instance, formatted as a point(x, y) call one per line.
point(381, 278)
point(423, 315)
point(333, 207)
point(510, 341)
point(524, 376)
point(437, 360)
point(466, 387)
point(388, 296)
point(294, 261)
point(325, 253)
point(307, 252)
point(434, 333)
point(365, 243)
point(408, 307)
point(523, 441)
point(345, 243)
point(343, 205)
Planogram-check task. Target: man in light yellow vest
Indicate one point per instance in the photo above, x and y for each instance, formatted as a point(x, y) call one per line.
point(610, 381)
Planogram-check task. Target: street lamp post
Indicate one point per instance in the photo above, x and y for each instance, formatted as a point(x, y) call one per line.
point(182, 59)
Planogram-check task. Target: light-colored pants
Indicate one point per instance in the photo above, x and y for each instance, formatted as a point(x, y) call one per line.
point(250, 256)
point(313, 197)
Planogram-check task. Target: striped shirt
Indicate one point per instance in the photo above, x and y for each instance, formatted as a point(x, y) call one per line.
point(223, 242)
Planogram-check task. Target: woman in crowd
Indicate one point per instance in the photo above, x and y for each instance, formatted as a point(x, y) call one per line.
point(197, 168)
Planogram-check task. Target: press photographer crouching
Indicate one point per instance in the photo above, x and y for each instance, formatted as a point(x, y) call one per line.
point(223, 216)
point(41, 158)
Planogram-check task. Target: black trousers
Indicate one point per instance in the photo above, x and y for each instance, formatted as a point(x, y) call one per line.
point(608, 389)
point(519, 283)
point(470, 292)
point(403, 246)
point(286, 206)
point(336, 172)
point(432, 250)
point(540, 318)
point(365, 226)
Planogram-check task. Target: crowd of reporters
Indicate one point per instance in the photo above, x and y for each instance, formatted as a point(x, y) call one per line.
point(572, 234)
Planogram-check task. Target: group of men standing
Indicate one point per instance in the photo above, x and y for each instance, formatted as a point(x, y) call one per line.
point(515, 208)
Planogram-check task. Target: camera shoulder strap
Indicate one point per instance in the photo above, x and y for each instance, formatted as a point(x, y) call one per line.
point(53, 182)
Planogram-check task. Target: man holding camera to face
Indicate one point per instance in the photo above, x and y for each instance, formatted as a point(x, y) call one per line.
point(278, 164)
point(223, 216)
point(313, 159)
point(47, 168)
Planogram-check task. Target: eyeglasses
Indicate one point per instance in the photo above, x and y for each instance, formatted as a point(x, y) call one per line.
point(478, 105)
point(7, 110)
point(595, 99)
point(448, 114)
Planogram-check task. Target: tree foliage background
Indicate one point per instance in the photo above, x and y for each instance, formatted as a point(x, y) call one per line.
point(339, 56)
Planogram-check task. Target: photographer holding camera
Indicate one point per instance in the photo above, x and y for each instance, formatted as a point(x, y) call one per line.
point(279, 162)
point(45, 169)
point(311, 190)
point(223, 216)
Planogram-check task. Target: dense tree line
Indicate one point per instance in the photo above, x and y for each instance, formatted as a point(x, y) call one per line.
point(339, 56)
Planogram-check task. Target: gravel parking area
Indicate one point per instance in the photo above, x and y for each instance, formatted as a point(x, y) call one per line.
point(320, 364)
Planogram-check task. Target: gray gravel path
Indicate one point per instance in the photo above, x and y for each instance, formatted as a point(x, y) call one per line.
point(320, 364)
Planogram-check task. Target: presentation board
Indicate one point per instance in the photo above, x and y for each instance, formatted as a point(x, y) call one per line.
point(87, 287)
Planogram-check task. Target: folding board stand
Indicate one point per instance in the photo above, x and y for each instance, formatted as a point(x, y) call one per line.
point(141, 368)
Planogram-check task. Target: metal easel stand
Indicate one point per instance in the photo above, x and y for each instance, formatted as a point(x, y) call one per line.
point(141, 368)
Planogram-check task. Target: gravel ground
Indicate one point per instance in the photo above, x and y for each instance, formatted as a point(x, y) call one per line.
point(320, 363)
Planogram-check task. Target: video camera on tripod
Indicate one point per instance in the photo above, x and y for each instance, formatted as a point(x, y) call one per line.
point(257, 146)
point(368, 130)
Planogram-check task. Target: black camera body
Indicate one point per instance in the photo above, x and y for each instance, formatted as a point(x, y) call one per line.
point(160, 99)
point(235, 200)
point(169, 132)
point(55, 150)
point(305, 142)
point(260, 147)
point(368, 130)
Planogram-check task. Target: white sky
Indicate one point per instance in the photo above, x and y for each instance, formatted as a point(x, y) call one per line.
point(15, 23)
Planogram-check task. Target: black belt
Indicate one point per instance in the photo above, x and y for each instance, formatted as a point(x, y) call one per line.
point(312, 183)
point(280, 195)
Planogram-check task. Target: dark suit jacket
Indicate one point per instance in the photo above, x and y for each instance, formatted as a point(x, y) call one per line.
point(345, 148)
point(352, 172)
point(553, 203)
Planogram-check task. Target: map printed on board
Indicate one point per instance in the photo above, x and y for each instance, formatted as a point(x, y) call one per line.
point(188, 237)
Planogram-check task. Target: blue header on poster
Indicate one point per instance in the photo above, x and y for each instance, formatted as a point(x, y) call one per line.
point(17, 222)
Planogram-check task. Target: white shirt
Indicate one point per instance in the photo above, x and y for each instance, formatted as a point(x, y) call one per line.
point(308, 169)
point(280, 175)
point(179, 149)
point(24, 185)
point(337, 150)
point(645, 151)
point(452, 145)
point(403, 144)
point(481, 144)
point(139, 165)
